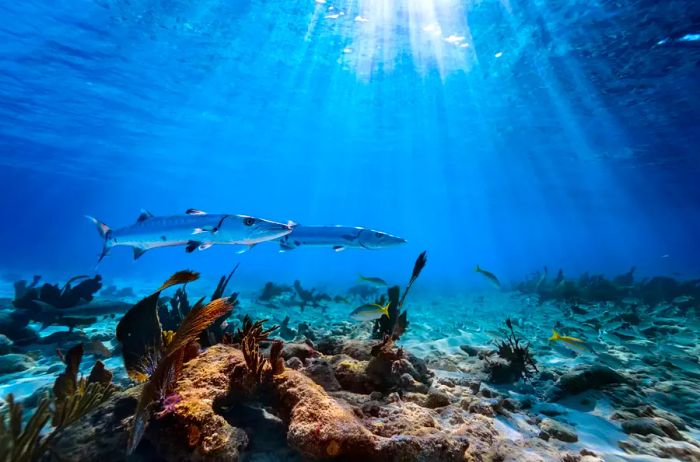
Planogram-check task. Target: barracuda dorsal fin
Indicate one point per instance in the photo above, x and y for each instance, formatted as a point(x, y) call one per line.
point(194, 212)
point(138, 253)
point(145, 215)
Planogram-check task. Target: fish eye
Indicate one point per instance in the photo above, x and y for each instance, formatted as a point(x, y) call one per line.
point(248, 221)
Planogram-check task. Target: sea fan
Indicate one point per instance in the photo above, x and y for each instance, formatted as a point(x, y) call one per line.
point(181, 277)
point(76, 397)
point(276, 360)
point(418, 266)
point(19, 444)
point(168, 369)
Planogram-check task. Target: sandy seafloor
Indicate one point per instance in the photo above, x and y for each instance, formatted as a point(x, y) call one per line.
point(439, 326)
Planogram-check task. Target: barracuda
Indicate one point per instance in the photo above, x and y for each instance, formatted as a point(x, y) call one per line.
point(338, 238)
point(194, 230)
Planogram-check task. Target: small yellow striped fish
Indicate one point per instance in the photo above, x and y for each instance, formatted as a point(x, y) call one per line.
point(571, 342)
point(370, 311)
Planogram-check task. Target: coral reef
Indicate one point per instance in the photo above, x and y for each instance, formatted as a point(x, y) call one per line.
point(26, 295)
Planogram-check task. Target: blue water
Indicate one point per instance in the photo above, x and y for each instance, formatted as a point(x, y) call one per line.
point(512, 134)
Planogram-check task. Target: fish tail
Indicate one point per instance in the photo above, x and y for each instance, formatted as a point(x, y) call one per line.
point(385, 310)
point(555, 336)
point(477, 269)
point(104, 232)
point(102, 228)
point(360, 277)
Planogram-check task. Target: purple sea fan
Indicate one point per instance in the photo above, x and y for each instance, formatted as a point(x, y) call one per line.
point(168, 406)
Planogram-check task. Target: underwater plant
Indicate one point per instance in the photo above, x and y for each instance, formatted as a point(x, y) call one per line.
point(257, 368)
point(75, 397)
point(252, 329)
point(272, 290)
point(168, 368)
point(397, 321)
point(140, 331)
point(514, 360)
point(310, 297)
point(27, 295)
point(215, 333)
point(23, 444)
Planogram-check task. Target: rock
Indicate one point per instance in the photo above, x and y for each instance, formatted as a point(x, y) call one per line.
point(662, 447)
point(330, 345)
point(559, 430)
point(473, 351)
point(550, 409)
point(5, 344)
point(408, 383)
point(321, 372)
point(298, 350)
point(652, 426)
point(305, 331)
point(318, 427)
point(586, 378)
point(357, 349)
point(436, 398)
point(351, 375)
point(486, 392)
point(14, 325)
point(294, 363)
point(14, 362)
point(509, 404)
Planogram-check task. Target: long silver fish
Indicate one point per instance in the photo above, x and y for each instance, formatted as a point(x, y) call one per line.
point(195, 230)
point(338, 238)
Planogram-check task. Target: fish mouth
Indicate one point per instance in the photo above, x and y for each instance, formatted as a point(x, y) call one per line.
point(393, 240)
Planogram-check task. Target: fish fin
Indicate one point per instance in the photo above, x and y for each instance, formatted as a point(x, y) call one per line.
point(205, 246)
point(338, 248)
point(145, 215)
point(360, 277)
point(477, 269)
point(104, 231)
point(192, 246)
point(138, 252)
point(385, 310)
point(555, 336)
point(250, 246)
point(194, 212)
point(102, 228)
point(284, 247)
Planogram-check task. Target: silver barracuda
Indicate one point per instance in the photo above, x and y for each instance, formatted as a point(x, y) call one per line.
point(338, 238)
point(194, 230)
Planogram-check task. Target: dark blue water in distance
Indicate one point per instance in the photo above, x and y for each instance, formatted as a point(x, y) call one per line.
point(510, 134)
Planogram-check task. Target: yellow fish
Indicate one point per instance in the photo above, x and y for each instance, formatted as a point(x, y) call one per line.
point(573, 342)
point(370, 312)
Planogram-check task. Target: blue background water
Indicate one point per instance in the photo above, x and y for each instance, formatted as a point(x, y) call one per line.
point(510, 134)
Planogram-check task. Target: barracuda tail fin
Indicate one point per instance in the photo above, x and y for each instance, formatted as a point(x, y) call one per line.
point(104, 231)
